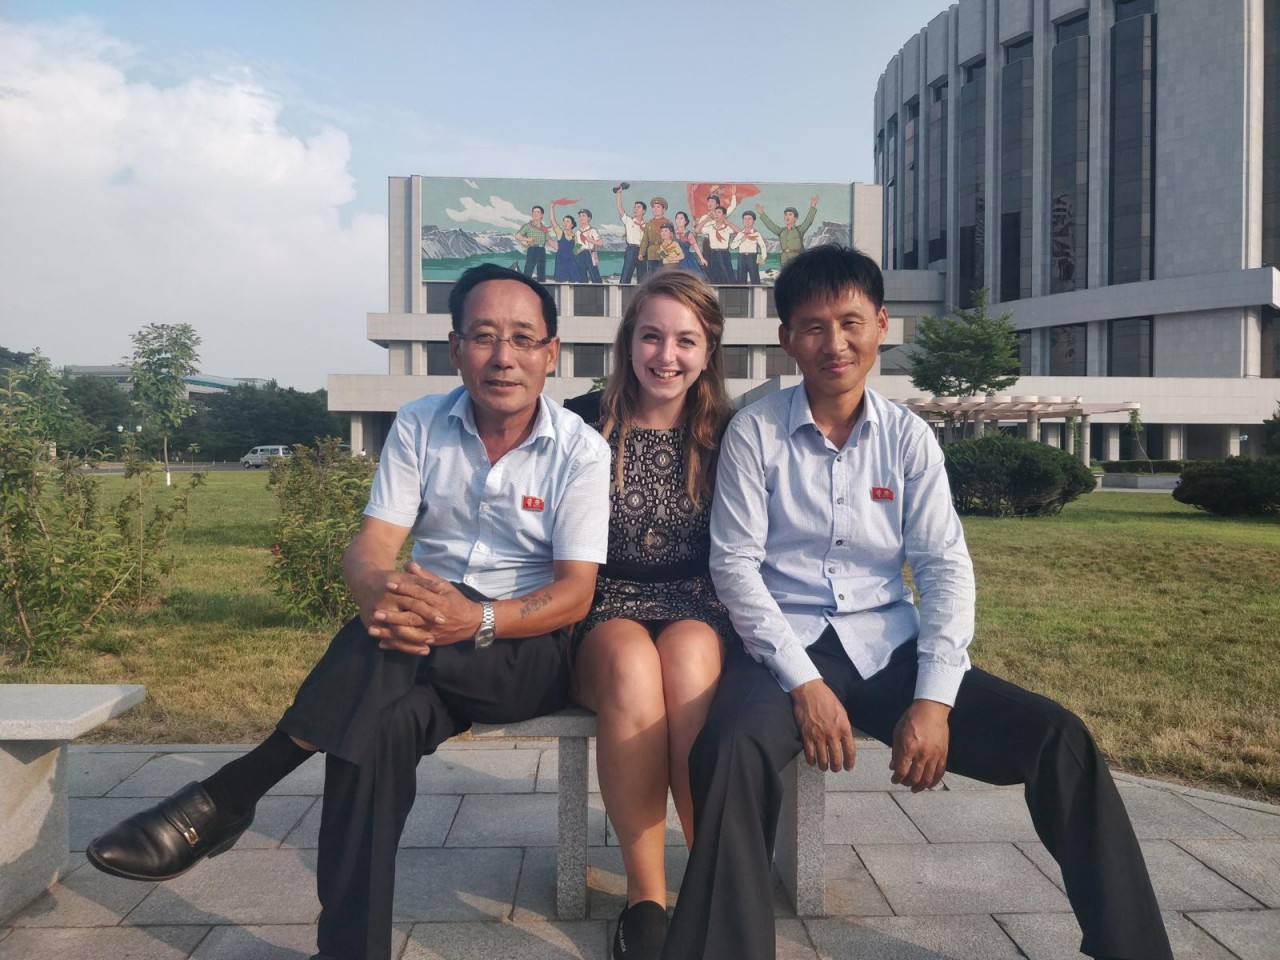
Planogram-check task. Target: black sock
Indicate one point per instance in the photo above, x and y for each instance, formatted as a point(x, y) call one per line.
point(241, 783)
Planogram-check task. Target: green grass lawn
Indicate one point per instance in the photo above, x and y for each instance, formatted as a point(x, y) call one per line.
point(1160, 625)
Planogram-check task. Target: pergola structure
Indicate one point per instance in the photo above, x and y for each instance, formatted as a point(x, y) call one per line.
point(1031, 410)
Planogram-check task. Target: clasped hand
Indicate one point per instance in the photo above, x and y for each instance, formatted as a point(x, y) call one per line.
point(418, 610)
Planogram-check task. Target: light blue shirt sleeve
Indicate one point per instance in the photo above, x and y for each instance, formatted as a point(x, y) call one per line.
point(739, 530)
point(933, 540)
point(396, 494)
point(582, 520)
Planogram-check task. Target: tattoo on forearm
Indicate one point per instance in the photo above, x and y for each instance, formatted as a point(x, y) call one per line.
point(533, 603)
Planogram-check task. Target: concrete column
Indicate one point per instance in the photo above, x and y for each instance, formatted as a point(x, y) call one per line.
point(417, 358)
point(1033, 427)
point(1069, 436)
point(1175, 441)
point(1086, 441)
point(979, 425)
point(1112, 451)
point(357, 433)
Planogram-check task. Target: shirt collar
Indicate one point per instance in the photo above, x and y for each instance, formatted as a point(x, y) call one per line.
point(801, 414)
point(464, 410)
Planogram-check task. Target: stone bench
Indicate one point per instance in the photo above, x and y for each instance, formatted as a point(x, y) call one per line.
point(36, 722)
point(799, 856)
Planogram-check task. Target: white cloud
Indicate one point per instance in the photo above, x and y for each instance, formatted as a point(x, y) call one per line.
point(498, 213)
point(128, 201)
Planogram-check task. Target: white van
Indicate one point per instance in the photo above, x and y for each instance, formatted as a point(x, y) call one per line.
point(259, 456)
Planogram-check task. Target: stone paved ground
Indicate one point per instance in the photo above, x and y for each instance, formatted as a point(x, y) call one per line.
point(956, 873)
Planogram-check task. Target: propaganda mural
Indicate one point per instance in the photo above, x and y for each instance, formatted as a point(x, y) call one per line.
point(597, 231)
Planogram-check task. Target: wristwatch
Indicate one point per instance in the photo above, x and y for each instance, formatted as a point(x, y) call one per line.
point(484, 636)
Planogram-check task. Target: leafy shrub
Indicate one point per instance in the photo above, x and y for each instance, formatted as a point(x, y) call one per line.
point(322, 492)
point(1145, 466)
point(68, 560)
point(1002, 476)
point(1235, 487)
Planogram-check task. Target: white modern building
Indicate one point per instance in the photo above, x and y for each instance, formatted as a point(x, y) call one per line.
point(1109, 170)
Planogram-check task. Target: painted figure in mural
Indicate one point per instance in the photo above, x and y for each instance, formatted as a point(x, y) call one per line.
point(566, 238)
point(824, 490)
point(671, 251)
point(790, 234)
point(475, 628)
point(587, 248)
point(633, 223)
point(652, 646)
point(715, 200)
point(751, 248)
point(719, 232)
point(651, 245)
point(532, 238)
point(691, 244)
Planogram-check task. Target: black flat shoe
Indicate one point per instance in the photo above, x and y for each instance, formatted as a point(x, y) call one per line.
point(641, 932)
point(167, 840)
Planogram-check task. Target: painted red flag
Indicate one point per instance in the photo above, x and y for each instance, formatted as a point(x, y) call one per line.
point(696, 194)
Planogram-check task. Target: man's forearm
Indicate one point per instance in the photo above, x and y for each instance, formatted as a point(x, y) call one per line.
point(548, 608)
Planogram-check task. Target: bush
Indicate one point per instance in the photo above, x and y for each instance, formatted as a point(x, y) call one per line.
point(322, 492)
point(67, 560)
point(1235, 487)
point(1145, 466)
point(1002, 476)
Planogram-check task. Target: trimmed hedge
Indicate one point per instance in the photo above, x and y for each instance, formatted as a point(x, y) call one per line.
point(1002, 476)
point(1235, 487)
point(1146, 466)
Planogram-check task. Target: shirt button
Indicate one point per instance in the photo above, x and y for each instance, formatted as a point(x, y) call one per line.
point(831, 569)
point(840, 596)
point(839, 543)
point(839, 499)
point(840, 459)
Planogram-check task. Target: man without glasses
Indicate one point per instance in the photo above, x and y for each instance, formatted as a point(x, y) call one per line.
point(505, 496)
point(823, 491)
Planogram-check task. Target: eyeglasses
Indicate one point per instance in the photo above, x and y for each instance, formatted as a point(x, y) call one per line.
point(520, 341)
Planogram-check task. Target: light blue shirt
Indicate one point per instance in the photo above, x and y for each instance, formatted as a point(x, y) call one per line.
point(496, 527)
point(805, 534)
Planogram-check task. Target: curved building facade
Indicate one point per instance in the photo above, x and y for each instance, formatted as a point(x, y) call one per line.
point(1109, 171)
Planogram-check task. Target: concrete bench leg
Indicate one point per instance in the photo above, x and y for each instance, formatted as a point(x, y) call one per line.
point(33, 812)
point(800, 850)
point(571, 850)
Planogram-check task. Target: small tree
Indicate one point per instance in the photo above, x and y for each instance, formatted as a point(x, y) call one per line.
point(966, 353)
point(1271, 434)
point(164, 355)
point(1136, 429)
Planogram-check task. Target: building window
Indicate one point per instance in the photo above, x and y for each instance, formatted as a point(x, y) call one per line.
point(910, 243)
point(770, 304)
point(1271, 134)
point(1024, 354)
point(1133, 157)
point(1016, 109)
point(1018, 50)
point(936, 179)
point(1129, 347)
point(971, 183)
point(777, 363)
point(1069, 158)
point(735, 301)
point(1068, 356)
point(891, 194)
point(438, 362)
point(1270, 342)
point(737, 361)
point(588, 300)
point(589, 359)
point(628, 294)
point(438, 297)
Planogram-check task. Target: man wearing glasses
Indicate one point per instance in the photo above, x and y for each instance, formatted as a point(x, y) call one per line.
point(505, 496)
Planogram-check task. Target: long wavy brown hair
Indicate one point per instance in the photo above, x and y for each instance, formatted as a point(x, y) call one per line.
point(706, 405)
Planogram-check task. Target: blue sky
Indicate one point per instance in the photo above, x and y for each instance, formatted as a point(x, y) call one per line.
point(225, 163)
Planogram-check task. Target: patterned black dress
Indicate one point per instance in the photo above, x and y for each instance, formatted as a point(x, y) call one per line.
point(658, 540)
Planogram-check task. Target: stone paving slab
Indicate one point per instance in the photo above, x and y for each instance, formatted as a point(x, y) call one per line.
point(97, 943)
point(1158, 814)
point(85, 897)
point(579, 940)
point(868, 818)
point(1181, 882)
point(1252, 865)
point(164, 774)
point(276, 817)
point(444, 885)
point(870, 771)
point(912, 938)
point(1245, 821)
point(1056, 936)
point(520, 820)
point(549, 769)
point(479, 771)
point(961, 816)
point(240, 887)
point(850, 890)
point(792, 941)
point(956, 878)
point(427, 825)
point(276, 942)
point(1253, 935)
point(93, 774)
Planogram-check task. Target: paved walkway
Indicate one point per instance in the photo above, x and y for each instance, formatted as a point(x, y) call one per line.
point(956, 873)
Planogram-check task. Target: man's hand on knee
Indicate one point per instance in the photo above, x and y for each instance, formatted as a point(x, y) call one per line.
point(920, 742)
point(431, 609)
point(824, 726)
